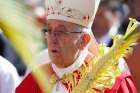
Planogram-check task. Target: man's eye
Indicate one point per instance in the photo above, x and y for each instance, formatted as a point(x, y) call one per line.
point(44, 30)
point(62, 32)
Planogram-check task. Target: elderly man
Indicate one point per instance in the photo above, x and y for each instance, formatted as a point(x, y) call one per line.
point(71, 45)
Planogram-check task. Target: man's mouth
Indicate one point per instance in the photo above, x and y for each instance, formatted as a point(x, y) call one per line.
point(54, 51)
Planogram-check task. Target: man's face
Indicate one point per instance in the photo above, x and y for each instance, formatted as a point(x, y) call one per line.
point(101, 23)
point(63, 46)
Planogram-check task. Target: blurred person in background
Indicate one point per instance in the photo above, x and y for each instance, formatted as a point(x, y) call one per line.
point(38, 10)
point(108, 20)
point(109, 17)
point(8, 52)
point(15, 26)
point(9, 78)
point(69, 38)
point(134, 6)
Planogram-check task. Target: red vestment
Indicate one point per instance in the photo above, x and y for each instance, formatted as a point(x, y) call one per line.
point(123, 83)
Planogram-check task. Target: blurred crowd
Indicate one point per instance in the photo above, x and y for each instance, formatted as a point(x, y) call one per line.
point(21, 22)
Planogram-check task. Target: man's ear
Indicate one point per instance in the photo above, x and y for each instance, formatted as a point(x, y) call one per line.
point(85, 39)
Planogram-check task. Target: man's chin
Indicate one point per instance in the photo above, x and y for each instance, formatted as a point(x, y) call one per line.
point(56, 61)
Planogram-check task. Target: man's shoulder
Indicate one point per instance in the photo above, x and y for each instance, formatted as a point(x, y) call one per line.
point(123, 84)
point(47, 68)
point(29, 83)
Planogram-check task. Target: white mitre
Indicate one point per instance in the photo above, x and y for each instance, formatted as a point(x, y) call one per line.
point(80, 12)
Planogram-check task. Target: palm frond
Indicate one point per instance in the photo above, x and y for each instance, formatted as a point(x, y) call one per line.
point(103, 65)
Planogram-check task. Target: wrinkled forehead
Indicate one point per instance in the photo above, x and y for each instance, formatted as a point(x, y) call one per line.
point(62, 24)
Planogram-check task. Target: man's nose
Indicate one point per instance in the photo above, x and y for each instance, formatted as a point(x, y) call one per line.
point(54, 37)
point(54, 34)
